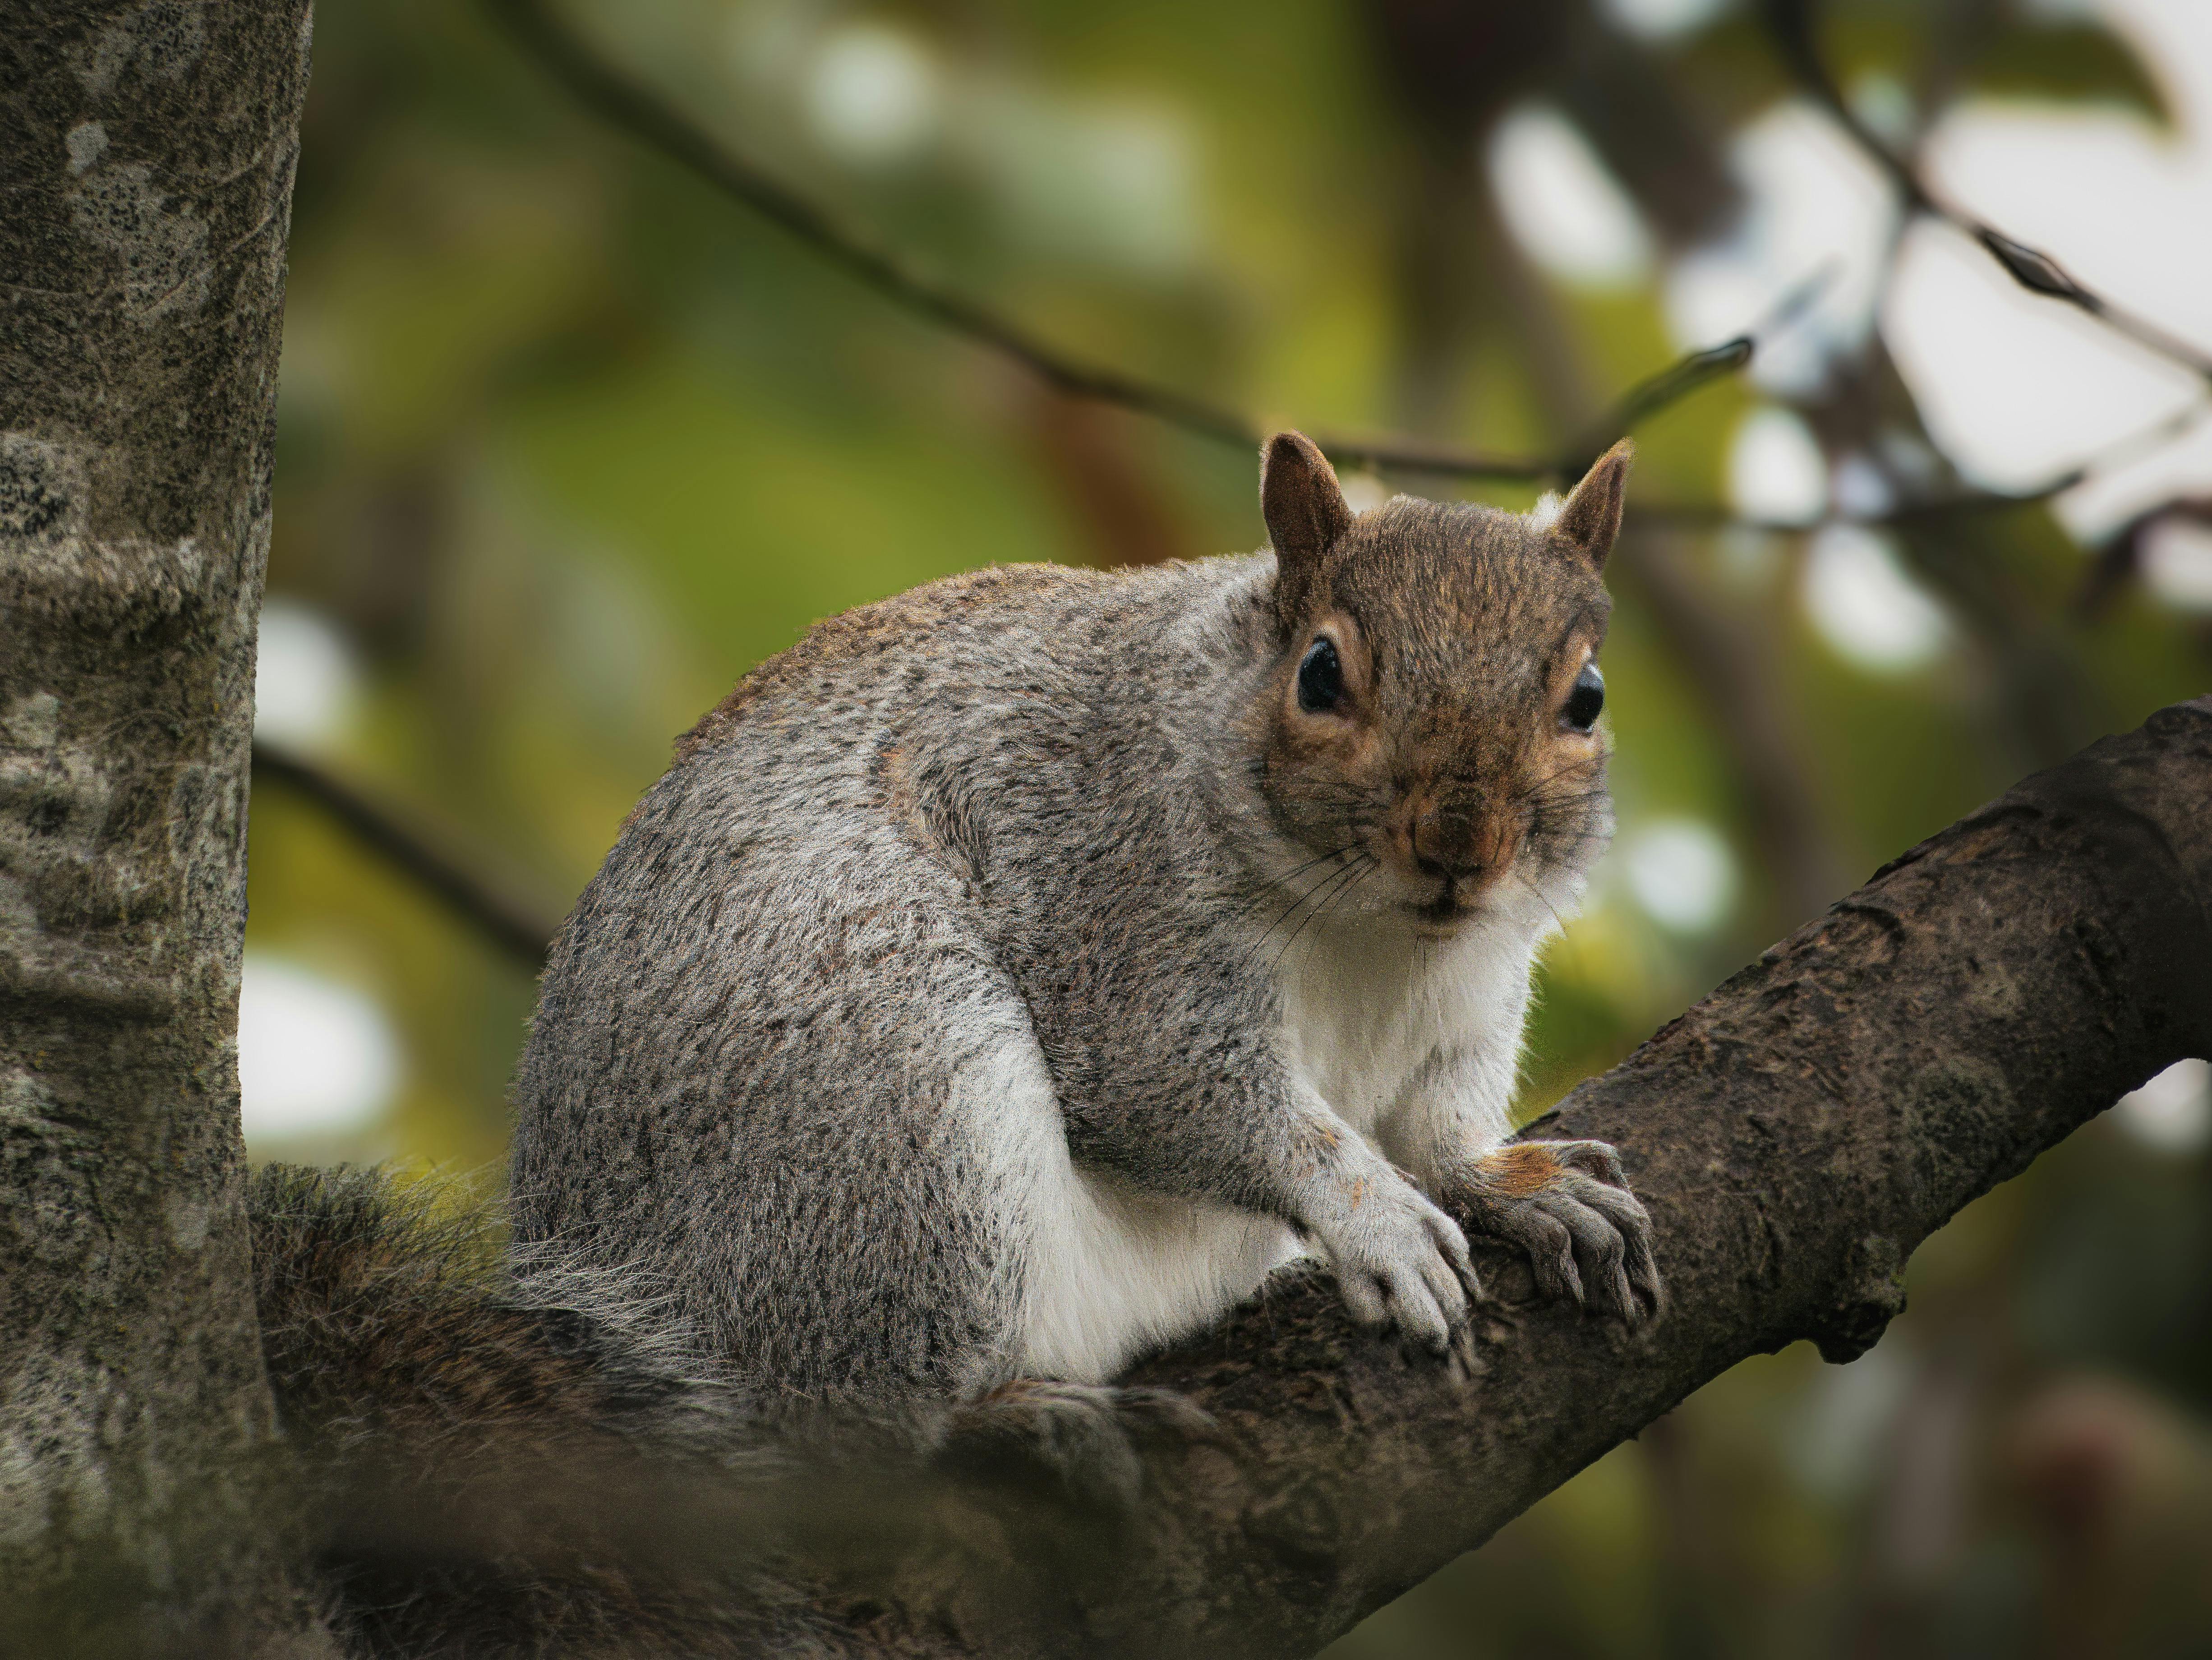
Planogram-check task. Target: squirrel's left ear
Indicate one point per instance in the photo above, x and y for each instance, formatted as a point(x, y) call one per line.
point(1305, 511)
point(1591, 517)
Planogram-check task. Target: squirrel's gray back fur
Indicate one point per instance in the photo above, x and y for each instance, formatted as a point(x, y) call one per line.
point(955, 1009)
point(762, 1067)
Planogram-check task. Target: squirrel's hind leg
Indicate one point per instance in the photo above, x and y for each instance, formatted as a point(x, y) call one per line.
point(1080, 1444)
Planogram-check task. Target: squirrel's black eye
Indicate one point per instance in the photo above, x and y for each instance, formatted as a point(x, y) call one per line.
point(1321, 678)
point(1586, 700)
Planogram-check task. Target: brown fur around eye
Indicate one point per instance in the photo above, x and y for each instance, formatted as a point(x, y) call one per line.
point(1473, 625)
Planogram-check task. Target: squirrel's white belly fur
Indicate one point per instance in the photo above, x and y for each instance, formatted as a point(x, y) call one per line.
point(1109, 1271)
point(1105, 1271)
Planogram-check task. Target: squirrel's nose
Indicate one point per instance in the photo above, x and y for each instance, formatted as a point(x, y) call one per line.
point(1437, 851)
point(1431, 855)
point(1467, 849)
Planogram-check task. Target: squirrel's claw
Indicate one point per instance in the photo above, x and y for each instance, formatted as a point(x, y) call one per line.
point(1568, 1205)
point(1400, 1262)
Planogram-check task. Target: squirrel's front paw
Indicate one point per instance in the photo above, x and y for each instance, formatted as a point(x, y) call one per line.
point(1567, 1204)
point(1398, 1259)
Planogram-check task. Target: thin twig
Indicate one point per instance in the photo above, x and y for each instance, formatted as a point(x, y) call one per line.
point(640, 110)
point(1695, 515)
point(513, 928)
point(1792, 25)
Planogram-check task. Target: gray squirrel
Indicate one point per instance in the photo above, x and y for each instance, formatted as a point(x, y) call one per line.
point(1005, 980)
point(1010, 978)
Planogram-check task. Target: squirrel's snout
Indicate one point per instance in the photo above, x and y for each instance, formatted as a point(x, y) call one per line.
point(1465, 851)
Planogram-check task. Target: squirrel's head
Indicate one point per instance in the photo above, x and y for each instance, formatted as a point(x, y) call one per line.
point(1434, 707)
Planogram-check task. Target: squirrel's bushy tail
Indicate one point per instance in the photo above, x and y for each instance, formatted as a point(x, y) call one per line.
point(385, 1318)
point(490, 1467)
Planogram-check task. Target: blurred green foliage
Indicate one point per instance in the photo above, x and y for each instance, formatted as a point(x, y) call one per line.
point(567, 443)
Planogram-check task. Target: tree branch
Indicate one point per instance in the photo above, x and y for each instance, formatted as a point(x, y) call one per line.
point(628, 104)
point(1793, 26)
point(414, 854)
point(1794, 1136)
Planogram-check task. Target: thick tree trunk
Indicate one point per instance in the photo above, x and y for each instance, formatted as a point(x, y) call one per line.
point(146, 163)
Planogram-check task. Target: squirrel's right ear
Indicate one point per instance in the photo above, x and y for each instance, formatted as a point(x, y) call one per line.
point(1591, 517)
point(1305, 511)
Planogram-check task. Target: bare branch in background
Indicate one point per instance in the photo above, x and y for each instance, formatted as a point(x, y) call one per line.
point(1793, 25)
point(645, 116)
point(515, 928)
point(1955, 503)
point(2120, 555)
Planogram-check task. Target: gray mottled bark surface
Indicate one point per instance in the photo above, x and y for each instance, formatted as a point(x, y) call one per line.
point(146, 163)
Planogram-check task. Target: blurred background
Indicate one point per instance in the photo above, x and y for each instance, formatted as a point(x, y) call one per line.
point(567, 442)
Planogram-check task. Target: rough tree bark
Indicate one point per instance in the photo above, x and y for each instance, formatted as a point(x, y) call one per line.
point(146, 163)
point(1795, 1136)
